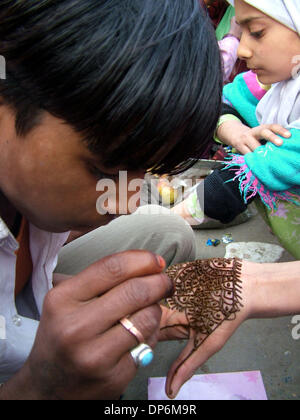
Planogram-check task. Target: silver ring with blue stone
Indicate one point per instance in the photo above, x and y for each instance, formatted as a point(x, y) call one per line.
point(142, 355)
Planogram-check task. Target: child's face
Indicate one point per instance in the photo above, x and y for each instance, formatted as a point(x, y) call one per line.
point(269, 48)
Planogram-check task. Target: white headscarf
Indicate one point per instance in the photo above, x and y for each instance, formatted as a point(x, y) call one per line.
point(281, 105)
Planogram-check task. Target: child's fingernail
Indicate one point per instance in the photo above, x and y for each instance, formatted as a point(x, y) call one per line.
point(171, 395)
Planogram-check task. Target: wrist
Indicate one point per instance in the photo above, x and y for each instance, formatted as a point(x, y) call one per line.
point(274, 290)
point(19, 387)
point(227, 128)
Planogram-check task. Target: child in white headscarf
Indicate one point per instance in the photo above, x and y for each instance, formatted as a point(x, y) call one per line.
point(271, 47)
point(261, 104)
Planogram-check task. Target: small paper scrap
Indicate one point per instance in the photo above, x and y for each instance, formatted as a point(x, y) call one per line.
point(221, 386)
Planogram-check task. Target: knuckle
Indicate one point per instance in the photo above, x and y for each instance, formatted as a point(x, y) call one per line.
point(149, 320)
point(265, 134)
point(62, 328)
point(51, 303)
point(114, 267)
point(64, 336)
point(146, 291)
point(85, 365)
point(137, 291)
point(58, 330)
point(92, 361)
point(67, 335)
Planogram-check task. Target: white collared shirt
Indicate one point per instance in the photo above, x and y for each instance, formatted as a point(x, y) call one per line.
point(17, 333)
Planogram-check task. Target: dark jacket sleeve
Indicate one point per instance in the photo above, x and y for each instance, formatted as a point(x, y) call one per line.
point(227, 109)
point(223, 200)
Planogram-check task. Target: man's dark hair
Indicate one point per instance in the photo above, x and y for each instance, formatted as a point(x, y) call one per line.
point(141, 80)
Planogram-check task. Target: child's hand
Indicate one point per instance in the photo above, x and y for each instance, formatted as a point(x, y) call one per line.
point(200, 304)
point(249, 139)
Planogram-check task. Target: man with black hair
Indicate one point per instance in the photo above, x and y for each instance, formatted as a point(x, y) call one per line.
point(92, 87)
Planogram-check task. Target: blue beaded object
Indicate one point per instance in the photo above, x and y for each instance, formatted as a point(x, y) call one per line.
point(213, 242)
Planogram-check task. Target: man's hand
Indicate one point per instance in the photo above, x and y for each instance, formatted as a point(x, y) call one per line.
point(81, 351)
point(246, 140)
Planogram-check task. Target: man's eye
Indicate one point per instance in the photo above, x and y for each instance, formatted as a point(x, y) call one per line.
point(257, 35)
point(101, 175)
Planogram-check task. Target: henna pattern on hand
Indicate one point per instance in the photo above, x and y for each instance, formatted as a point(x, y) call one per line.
point(208, 292)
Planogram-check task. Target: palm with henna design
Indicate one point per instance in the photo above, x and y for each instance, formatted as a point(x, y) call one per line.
point(207, 294)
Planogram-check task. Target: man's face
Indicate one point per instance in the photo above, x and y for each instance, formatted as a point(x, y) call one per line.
point(268, 47)
point(51, 177)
